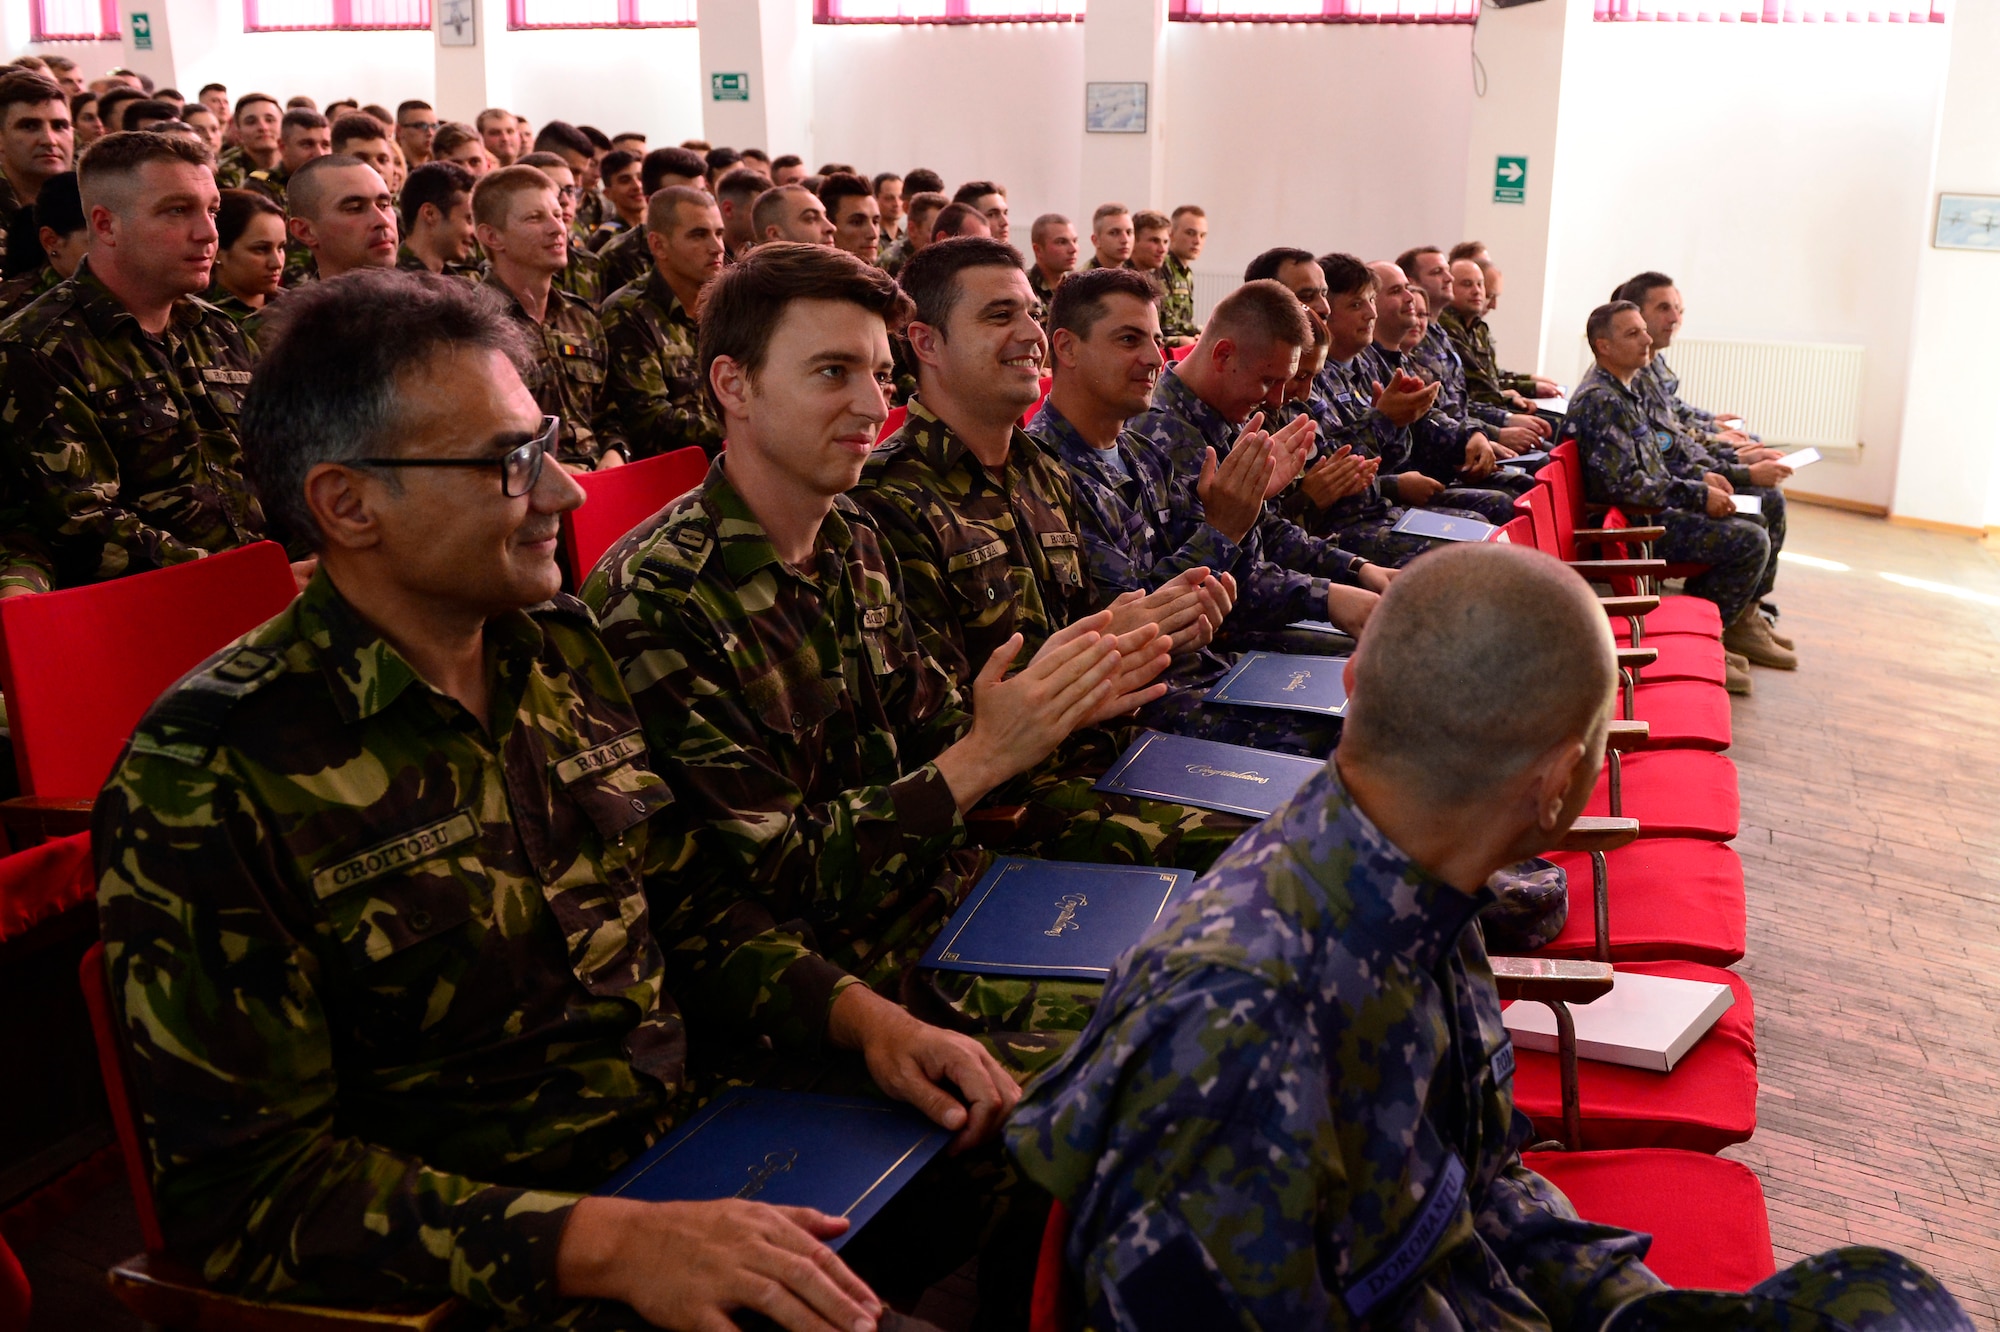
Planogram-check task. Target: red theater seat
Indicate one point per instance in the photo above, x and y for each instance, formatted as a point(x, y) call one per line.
point(1706, 1215)
point(1669, 897)
point(893, 423)
point(621, 498)
point(1672, 793)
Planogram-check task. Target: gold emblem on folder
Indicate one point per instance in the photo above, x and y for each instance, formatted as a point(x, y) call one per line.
point(1298, 681)
point(1066, 917)
point(1210, 770)
point(774, 1164)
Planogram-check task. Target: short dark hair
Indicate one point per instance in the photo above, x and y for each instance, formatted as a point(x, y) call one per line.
point(976, 189)
point(356, 126)
point(1082, 299)
point(756, 155)
point(560, 135)
point(836, 169)
point(335, 355)
point(1267, 265)
point(148, 108)
point(238, 207)
point(208, 88)
point(951, 217)
point(923, 180)
point(1466, 250)
point(742, 183)
point(246, 100)
point(412, 104)
point(1407, 260)
point(1641, 285)
point(664, 162)
point(543, 161)
point(664, 205)
point(111, 106)
point(1264, 311)
point(616, 161)
point(25, 87)
point(600, 142)
point(1346, 274)
point(741, 307)
point(80, 101)
point(300, 117)
point(124, 152)
point(1599, 323)
point(59, 205)
point(381, 114)
point(842, 185)
point(931, 274)
point(720, 160)
point(883, 178)
point(439, 184)
point(788, 160)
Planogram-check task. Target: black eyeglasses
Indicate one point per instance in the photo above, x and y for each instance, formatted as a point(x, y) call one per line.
point(520, 467)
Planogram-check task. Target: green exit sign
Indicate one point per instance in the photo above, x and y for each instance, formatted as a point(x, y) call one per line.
point(729, 87)
point(1510, 180)
point(142, 32)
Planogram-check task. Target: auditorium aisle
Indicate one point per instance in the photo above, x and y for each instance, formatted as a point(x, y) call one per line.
point(1871, 841)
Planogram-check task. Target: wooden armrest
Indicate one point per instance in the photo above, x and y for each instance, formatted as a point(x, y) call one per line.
point(1545, 979)
point(163, 1295)
point(1630, 658)
point(1628, 735)
point(1599, 570)
point(40, 817)
point(1598, 834)
point(994, 825)
point(1602, 534)
point(1622, 606)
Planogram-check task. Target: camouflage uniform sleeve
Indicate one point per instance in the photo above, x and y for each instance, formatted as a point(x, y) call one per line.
point(1120, 553)
point(898, 517)
point(747, 859)
point(652, 387)
point(1613, 440)
point(1577, 1272)
point(1198, 1181)
point(219, 992)
point(1486, 413)
point(24, 564)
point(55, 450)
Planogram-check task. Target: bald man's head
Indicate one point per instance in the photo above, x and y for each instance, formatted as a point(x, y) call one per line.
point(1479, 660)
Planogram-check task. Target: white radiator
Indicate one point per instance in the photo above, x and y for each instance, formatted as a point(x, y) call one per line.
point(1210, 287)
point(1791, 393)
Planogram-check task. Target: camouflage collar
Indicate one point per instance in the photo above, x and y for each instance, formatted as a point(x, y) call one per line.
point(745, 546)
point(1060, 437)
point(103, 312)
point(1456, 322)
point(661, 293)
point(939, 445)
point(1597, 374)
point(1408, 909)
point(364, 673)
point(1173, 395)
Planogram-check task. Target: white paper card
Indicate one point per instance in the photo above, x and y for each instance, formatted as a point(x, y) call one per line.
point(1750, 504)
point(1803, 458)
point(1645, 1022)
point(1559, 405)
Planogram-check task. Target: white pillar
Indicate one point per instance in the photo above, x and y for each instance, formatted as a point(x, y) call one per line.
point(470, 77)
point(1522, 52)
point(146, 30)
point(757, 75)
point(1124, 41)
point(1948, 463)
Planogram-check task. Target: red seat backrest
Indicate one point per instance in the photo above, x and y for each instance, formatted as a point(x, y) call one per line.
point(622, 498)
point(124, 1115)
point(897, 415)
point(1539, 505)
point(43, 881)
point(1519, 532)
point(16, 1300)
point(80, 667)
point(1029, 415)
point(1179, 353)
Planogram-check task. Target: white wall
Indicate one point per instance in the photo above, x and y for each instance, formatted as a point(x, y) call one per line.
point(1779, 173)
point(1328, 137)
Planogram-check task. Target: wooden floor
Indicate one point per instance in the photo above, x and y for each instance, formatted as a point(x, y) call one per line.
point(1871, 840)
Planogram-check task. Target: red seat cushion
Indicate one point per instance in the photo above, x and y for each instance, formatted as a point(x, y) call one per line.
point(1684, 714)
point(15, 1298)
point(45, 881)
point(1671, 897)
point(1677, 615)
point(1708, 1102)
point(1674, 793)
point(1706, 1215)
point(1683, 657)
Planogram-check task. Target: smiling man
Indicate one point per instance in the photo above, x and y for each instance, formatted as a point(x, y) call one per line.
point(1184, 243)
point(519, 222)
point(36, 139)
point(254, 129)
point(340, 210)
point(856, 216)
point(653, 382)
point(121, 391)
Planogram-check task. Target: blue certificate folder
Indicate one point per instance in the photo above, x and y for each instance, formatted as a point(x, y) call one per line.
point(1290, 681)
point(1443, 527)
point(844, 1155)
point(1054, 918)
point(1232, 778)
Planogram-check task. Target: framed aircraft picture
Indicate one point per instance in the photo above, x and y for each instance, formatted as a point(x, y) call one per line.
point(1114, 108)
point(1968, 222)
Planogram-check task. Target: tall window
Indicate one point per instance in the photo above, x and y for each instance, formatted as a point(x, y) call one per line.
point(335, 15)
point(947, 11)
point(600, 14)
point(1769, 11)
point(1325, 11)
point(73, 21)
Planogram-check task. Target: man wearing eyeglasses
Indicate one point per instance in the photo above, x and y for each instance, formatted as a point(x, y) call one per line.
point(371, 881)
point(416, 124)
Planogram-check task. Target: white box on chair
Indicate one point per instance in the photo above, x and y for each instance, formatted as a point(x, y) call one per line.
point(1645, 1022)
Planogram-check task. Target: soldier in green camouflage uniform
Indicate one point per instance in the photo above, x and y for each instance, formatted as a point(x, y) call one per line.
point(1177, 301)
point(568, 377)
point(625, 259)
point(653, 380)
point(17, 293)
point(123, 445)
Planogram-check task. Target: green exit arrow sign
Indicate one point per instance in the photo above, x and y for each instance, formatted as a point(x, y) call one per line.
point(1510, 180)
point(728, 87)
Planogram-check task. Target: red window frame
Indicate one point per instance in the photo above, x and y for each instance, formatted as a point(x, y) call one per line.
point(350, 16)
point(628, 17)
point(41, 30)
point(1328, 11)
point(1769, 11)
point(958, 12)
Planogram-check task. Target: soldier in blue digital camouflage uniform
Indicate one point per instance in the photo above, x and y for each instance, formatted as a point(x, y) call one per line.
point(1105, 325)
point(1425, 268)
point(1293, 1108)
point(1625, 463)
